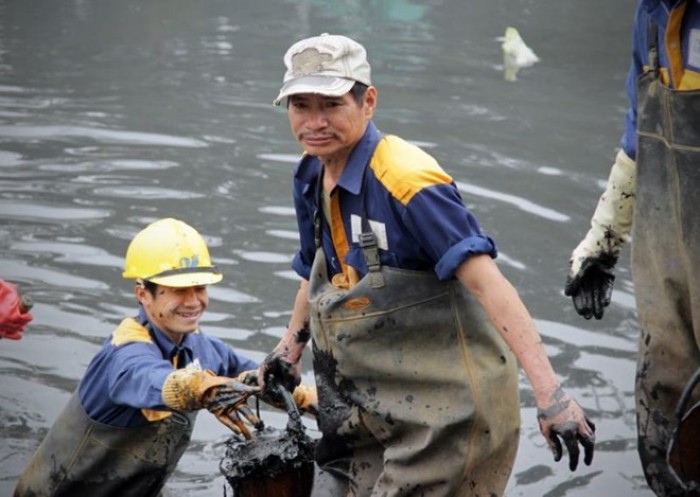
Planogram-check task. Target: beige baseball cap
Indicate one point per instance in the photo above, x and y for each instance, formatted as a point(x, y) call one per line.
point(326, 64)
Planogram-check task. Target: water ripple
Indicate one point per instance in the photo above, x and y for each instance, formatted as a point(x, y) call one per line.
point(101, 135)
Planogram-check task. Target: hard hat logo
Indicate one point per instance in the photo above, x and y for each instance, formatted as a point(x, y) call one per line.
point(169, 252)
point(190, 261)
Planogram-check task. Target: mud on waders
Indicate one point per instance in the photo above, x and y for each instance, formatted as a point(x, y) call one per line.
point(666, 287)
point(273, 463)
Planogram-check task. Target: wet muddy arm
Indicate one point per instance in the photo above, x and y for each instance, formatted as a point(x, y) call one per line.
point(481, 276)
point(285, 359)
point(560, 417)
point(297, 335)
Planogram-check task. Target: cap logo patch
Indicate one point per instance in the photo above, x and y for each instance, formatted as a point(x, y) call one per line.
point(309, 61)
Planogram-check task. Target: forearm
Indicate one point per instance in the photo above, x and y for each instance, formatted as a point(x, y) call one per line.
point(297, 335)
point(513, 322)
point(560, 417)
point(518, 330)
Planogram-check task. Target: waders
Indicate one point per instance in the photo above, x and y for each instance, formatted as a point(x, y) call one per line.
point(666, 267)
point(418, 394)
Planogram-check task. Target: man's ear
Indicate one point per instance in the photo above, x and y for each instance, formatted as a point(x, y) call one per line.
point(140, 292)
point(370, 101)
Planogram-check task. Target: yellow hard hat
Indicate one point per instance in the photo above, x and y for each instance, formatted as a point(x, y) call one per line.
point(170, 252)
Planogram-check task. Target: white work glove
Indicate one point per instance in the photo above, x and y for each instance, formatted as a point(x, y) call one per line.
point(591, 267)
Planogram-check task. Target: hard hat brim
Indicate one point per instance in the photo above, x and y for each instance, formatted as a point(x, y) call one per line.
point(187, 279)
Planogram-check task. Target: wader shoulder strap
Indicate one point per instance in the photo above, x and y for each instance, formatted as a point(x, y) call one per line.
point(367, 239)
point(370, 249)
point(653, 46)
point(318, 212)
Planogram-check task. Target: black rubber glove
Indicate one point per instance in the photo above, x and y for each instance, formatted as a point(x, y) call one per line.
point(591, 288)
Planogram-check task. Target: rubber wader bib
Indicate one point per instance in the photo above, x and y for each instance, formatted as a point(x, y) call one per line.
point(666, 267)
point(82, 458)
point(418, 394)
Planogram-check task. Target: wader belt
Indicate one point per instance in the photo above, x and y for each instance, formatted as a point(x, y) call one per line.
point(666, 264)
point(82, 458)
point(418, 395)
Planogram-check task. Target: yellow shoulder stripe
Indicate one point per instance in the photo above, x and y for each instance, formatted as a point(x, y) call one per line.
point(690, 81)
point(405, 169)
point(130, 331)
point(672, 43)
point(152, 415)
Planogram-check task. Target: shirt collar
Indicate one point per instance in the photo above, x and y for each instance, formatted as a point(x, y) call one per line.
point(351, 179)
point(659, 9)
point(166, 346)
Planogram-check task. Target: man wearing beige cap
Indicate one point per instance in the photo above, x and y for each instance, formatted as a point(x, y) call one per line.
point(415, 330)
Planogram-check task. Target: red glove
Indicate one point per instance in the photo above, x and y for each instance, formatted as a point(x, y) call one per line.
point(14, 314)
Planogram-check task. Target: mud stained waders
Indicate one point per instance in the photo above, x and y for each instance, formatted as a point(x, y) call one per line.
point(666, 265)
point(418, 394)
point(83, 458)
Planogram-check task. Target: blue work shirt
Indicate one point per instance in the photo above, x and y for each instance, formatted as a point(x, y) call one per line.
point(677, 20)
point(128, 373)
point(410, 203)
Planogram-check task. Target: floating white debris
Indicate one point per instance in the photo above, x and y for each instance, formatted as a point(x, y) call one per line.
point(516, 54)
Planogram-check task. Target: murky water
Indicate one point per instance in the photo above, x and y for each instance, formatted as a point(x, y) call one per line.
point(115, 113)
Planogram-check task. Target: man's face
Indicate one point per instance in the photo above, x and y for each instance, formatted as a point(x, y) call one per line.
point(175, 311)
point(329, 127)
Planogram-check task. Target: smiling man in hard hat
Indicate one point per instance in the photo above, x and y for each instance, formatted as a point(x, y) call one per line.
point(131, 418)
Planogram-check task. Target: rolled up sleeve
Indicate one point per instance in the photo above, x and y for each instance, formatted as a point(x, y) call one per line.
point(450, 261)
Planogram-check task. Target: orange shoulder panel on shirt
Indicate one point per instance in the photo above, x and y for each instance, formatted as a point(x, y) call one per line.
point(690, 80)
point(404, 169)
point(130, 331)
point(673, 43)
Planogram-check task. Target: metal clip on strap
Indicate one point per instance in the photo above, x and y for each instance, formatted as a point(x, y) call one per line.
point(368, 242)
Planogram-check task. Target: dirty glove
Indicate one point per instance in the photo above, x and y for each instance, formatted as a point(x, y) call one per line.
point(591, 290)
point(591, 267)
point(564, 419)
point(305, 397)
point(14, 311)
point(188, 390)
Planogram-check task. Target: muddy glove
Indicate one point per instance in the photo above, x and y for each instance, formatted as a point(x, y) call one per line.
point(564, 419)
point(591, 267)
point(305, 397)
point(189, 390)
point(14, 311)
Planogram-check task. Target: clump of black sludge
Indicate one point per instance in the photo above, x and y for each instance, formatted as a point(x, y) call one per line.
point(274, 462)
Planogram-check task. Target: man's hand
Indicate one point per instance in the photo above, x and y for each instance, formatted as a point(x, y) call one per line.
point(276, 369)
point(590, 288)
point(228, 402)
point(305, 397)
point(564, 419)
point(190, 389)
point(590, 279)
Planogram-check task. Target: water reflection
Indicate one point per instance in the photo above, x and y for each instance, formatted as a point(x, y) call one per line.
point(113, 114)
